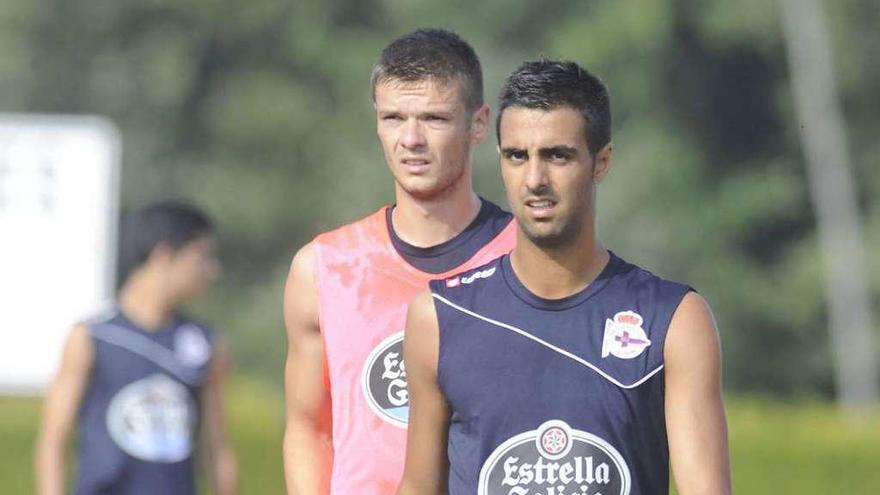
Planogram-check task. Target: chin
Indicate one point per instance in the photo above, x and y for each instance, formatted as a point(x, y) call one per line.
point(426, 190)
point(552, 237)
point(546, 240)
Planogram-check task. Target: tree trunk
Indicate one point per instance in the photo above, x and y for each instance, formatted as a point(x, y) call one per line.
point(833, 196)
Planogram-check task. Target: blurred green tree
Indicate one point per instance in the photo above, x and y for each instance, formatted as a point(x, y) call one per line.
point(260, 111)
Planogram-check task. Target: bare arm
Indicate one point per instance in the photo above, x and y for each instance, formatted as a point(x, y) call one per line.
point(222, 467)
point(308, 448)
point(427, 467)
point(59, 411)
point(695, 419)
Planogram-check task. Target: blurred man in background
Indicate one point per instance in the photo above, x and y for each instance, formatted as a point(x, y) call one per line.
point(561, 368)
point(140, 381)
point(347, 292)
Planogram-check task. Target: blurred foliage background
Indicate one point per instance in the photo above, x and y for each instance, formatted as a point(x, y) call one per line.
point(260, 112)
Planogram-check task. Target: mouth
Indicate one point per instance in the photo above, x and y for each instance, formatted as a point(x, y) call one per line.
point(540, 207)
point(416, 165)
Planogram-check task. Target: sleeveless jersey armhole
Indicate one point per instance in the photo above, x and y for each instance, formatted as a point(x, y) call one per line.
point(672, 300)
point(317, 279)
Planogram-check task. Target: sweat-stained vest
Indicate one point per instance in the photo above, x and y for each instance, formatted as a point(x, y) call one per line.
point(364, 288)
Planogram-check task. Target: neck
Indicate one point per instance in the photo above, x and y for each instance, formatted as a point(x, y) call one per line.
point(555, 273)
point(143, 301)
point(433, 221)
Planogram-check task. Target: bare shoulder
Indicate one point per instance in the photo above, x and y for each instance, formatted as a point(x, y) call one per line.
point(79, 342)
point(78, 352)
point(301, 292)
point(421, 310)
point(421, 341)
point(692, 332)
point(693, 311)
point(302, 268)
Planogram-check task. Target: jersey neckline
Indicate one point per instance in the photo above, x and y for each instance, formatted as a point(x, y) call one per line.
point(444, 247)
point(167, 328)
point(527, 296)
point(402, 250)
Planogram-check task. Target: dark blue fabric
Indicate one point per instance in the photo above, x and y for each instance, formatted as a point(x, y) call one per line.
point(490, 221)
point(124, 355)
point(500, 383)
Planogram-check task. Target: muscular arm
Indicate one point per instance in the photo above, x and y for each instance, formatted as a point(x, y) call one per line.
point(59, 410)
point(695, 420)
point(222, 467)
point(308, 448)
point(427, 468)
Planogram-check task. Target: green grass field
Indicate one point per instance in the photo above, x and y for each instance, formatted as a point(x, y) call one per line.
point(777, 448)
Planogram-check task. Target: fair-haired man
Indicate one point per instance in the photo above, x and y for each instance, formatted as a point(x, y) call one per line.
point(562, 369)
point(347, 291)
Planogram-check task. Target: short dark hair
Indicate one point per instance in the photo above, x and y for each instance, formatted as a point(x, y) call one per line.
point(432, 54)
point(548, 84)
point(173, 223)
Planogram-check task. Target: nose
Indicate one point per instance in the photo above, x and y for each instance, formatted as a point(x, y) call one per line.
point(412, 137)
point(536, 179)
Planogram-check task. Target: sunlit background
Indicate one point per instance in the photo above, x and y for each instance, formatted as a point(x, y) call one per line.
point(260, 113)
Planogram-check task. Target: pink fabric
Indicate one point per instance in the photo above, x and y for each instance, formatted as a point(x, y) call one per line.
point(364, 288)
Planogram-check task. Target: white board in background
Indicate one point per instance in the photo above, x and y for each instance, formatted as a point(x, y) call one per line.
point(58, 221)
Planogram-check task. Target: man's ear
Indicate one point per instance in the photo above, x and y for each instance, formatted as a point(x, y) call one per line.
point(161, 253)
point(480, 124)
point(602, 163)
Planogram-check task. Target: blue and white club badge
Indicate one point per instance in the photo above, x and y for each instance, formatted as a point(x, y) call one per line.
point(624, 336)
point(384, 381)
point(191, 347)
point(153, 419)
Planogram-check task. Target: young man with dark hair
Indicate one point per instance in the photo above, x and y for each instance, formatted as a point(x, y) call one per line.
point(347, 292)
point(561, 369)
point(141, 380)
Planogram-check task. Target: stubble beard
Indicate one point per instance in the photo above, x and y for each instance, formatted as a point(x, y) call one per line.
point(564, 236)
point(569, 231)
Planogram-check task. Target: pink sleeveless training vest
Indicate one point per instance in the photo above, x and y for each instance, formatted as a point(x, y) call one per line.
point(364, 287)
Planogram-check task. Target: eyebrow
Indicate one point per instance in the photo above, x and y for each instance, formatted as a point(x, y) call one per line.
point(425, 113)
point(560, 149)
point(510, 149)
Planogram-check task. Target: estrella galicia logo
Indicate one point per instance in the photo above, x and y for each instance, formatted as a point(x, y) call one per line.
point(555, 459)
point(384, 381)
point(153, 419)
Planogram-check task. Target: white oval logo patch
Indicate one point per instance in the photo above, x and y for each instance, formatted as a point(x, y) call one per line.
point(191, 347)
point(153, 419)
point(384, 381)
point(555, 459)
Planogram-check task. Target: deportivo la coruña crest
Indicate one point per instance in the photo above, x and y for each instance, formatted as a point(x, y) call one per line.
point(624, 336)
point(555, 459)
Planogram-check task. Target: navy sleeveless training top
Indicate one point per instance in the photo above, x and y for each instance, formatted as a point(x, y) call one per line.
point(555, 397)
point(138, 422)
